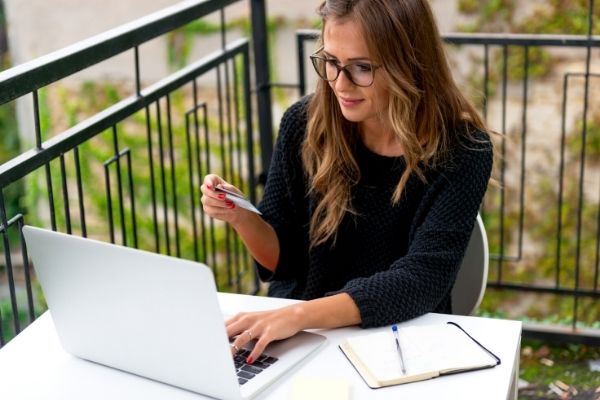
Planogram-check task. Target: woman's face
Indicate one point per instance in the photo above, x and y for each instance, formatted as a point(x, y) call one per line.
point(344, 42)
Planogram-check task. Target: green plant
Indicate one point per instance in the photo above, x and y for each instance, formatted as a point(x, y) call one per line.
point(576, 246)
point(469, 6)
point(592, 142)
point(7, 316)
point(555, 17)
point(489, 15)
point(543, 364)
point(171, 175)
point(561, 16)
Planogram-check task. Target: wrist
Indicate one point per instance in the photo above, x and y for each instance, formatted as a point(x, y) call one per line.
point(300, 315)
point(239, 219)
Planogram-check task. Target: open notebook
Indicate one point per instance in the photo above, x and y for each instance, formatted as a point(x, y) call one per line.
point(428, 351)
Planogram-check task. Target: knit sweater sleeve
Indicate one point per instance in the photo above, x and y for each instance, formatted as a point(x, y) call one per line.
point(422, 279)
point(284, 200)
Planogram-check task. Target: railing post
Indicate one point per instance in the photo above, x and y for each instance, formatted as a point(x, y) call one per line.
point(263, 82)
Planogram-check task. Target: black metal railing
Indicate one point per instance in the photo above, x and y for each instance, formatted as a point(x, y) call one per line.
point(535, 189)
point(131, 172)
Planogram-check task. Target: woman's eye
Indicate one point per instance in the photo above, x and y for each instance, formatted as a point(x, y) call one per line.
point(362, 67)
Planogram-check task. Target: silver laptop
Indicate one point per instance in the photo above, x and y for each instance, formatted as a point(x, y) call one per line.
point(148, 314)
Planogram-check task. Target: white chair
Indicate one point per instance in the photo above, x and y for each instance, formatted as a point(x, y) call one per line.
point(472, 276)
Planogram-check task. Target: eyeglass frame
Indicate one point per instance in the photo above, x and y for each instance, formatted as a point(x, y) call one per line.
point(317, 56)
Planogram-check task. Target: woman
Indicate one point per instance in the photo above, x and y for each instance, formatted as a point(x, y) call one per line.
point(375, 181)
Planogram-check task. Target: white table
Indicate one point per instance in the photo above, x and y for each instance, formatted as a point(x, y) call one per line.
point(34, 366)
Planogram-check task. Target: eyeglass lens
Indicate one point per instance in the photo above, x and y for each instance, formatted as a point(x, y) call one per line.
point(361, 74)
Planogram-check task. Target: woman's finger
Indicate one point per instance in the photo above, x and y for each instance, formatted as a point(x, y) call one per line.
point(263, 326)
point(244, 338)
point(245, 327)
point(238, 323)
point(215, 204)
point(218, 200)
point(241, 338)
point(208, 185)
point(231, 188)
point(259, 348)
point(212, 180)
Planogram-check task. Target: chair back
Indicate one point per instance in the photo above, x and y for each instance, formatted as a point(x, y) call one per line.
point(471, 280)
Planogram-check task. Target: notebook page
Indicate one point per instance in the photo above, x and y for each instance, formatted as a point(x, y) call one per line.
point(378, 352)
point(426, 349)
point(440, 347)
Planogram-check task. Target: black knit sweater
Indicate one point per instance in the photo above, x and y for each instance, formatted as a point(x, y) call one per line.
point(396, 261)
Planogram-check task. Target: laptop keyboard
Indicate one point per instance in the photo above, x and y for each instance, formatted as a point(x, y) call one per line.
point(246, 371)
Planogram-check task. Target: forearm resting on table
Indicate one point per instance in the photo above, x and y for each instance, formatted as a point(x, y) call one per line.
point(328, 312)
point(260, 239)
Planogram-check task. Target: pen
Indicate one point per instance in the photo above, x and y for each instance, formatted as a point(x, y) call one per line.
point(397, 339)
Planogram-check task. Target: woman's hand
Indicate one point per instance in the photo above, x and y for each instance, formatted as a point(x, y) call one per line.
point(265, 327)
point(258, 236)
point(215, 204)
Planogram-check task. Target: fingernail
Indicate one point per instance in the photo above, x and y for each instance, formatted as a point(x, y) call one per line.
point(230, 204)
point(221, 196)
point(250, 360)
point(208, 185)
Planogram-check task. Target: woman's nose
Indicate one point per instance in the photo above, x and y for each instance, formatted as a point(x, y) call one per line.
point(343, 81)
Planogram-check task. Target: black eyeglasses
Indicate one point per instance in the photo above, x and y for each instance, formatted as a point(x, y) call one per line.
point(360, 73)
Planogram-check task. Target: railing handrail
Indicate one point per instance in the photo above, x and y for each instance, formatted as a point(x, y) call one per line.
point(33, 159)
point(42, 71)
point(517, 39)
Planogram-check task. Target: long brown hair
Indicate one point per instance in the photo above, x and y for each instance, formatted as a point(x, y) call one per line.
point(426, 110)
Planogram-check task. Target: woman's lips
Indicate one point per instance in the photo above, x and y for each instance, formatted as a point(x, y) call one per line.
point(348, 102)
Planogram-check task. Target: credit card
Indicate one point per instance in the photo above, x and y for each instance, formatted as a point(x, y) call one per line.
point(238, 199)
